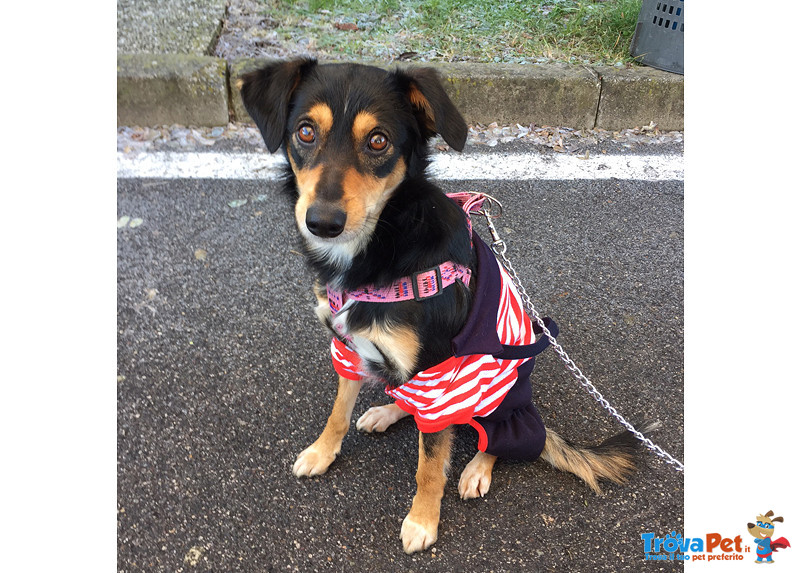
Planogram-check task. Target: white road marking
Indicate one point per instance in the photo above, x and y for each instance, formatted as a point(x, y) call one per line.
point(510, 166)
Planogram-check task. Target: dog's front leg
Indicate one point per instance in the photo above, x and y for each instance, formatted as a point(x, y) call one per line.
point(421, 525)
point(317, 458)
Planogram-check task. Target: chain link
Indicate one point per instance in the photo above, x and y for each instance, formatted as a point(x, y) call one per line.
point(499, 248)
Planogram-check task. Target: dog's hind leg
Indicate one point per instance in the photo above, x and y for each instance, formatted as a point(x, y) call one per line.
point(477, 476)
point(421, 526)
point(317, 458)
point(379, 418)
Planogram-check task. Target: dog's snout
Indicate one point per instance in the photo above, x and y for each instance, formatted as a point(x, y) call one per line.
point(325, 222)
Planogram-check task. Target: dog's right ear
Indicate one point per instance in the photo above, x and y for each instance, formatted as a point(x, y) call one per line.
point(266, 94)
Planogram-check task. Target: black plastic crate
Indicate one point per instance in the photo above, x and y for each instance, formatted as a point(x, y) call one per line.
point(658, 39)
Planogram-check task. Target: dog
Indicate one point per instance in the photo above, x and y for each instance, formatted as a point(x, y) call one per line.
point(413, 299)
point(762, 532)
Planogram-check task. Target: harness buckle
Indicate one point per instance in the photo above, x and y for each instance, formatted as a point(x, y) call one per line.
point(415, 283)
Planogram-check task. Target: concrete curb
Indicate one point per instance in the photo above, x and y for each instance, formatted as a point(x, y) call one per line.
point(155, 89)
point(638, 96)
point(556, 94)
point(164, 89)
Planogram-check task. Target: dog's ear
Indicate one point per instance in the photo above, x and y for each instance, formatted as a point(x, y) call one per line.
point(434, 110)
point(266, 94)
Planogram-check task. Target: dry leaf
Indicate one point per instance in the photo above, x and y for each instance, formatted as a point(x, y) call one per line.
point(347, 26)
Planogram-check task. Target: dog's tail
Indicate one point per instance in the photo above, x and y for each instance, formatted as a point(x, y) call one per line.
point(613, 460)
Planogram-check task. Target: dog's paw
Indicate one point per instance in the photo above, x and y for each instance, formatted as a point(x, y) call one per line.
point(379, 418)
point(476, 477)
point(417, 537)
point(313, 461)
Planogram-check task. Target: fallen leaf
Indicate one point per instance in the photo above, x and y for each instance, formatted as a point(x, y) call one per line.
point(201, 139)
point(200, 254)
point(347, 26)
point(193, 556)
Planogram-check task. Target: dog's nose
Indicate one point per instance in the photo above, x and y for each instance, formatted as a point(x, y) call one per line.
point(325, 222)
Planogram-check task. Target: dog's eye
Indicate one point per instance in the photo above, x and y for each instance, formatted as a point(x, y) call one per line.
point(306, 134)
point(378, 142)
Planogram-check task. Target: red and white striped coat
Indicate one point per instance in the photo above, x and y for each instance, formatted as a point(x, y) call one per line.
point(462, 387)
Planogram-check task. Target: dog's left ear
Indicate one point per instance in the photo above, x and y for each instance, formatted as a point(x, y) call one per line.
point(434, 110)
point(266, 94)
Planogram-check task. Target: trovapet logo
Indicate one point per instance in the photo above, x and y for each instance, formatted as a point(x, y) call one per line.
point(675, 547)
point(716, 547)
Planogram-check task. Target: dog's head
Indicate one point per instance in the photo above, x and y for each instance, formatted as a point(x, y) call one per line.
point(352, 134)
point(764, 526)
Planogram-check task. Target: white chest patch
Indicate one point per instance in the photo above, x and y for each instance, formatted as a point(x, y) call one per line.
point(362, 346)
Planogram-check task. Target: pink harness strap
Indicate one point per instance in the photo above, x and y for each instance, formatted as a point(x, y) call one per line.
point(424, 284)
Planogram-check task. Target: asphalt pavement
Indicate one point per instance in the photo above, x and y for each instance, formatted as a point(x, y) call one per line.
point(224, 377)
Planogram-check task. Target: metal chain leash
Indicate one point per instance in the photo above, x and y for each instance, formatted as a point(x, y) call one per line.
point(499, 248)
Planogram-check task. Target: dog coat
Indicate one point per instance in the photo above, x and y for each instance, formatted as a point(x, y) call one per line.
point(475, 386)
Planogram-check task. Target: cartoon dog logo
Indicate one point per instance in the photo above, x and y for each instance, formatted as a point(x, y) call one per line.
point(762, 531)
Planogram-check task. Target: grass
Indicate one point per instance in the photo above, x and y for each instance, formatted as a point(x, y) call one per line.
point(578, 31)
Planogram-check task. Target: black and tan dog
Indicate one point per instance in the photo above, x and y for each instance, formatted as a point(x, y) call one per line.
point(356, 139)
